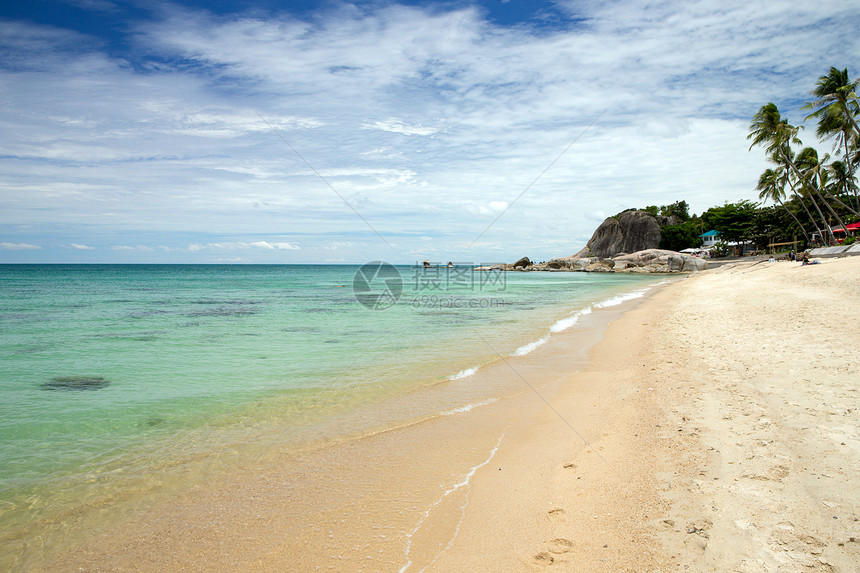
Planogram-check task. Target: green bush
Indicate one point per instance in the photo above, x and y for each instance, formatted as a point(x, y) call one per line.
point(720, 249)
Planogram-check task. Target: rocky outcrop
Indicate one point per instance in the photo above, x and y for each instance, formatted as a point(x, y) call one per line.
point(632, 231)
point(663, 261)
point(645, 261)
point(523, 263)
point(628, 232)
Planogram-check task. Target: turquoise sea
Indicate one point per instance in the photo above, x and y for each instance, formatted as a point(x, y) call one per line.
point(115, 373)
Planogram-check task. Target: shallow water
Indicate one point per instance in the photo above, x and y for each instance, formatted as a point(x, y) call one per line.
point(113, 374)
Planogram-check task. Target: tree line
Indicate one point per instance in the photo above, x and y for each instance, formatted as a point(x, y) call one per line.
point(813, 196)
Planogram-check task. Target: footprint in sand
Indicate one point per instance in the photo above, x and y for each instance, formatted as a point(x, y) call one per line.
point(560, 545)
point(543, 558)
point(778, 473)
point(556, 515)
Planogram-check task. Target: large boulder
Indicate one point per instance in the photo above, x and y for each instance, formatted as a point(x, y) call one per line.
point(559, 263)
point(600, 266)
point(581, 264)
point(628, 232)
point(659, 260)
point(523, 263)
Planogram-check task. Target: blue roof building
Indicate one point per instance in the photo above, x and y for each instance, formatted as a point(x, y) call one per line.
point(710, 238)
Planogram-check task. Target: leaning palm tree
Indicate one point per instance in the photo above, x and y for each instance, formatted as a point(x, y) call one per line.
point(836, 109)
point(837, 106)
point(767, 128)
point(771, 185)
point(815, 179)
point(781, 160)
point(840, 185)
point(770, 130)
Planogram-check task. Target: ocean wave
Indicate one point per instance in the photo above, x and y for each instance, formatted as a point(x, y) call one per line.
point(463, 484)
point(463, 373)
point(468, 407)
point(565, 323)
point(526, 348)
point(621, 298)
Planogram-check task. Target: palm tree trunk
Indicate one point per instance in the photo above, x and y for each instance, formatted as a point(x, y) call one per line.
point(796, 220)
point(823, 218)
point(834, 213)
point(809, 213)
point(790, 163)
point(835, 198)
point(800, 177)
point(852, 186)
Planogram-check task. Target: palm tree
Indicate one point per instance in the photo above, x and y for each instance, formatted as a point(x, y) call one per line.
point(787, 176)
point(840, 178)
point(767, 128)
point(815, 179)
point(837, 104)
point(836, 109)
point(771, 185)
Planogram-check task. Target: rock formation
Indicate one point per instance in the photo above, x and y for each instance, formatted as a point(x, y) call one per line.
point(645, 261)
point(628, 232)
point(633, 231)
point(523, 262)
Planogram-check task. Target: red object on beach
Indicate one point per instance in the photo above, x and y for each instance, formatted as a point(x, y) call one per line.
point(851, 227)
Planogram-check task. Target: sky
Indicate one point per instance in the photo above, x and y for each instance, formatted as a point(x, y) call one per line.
point(262, 131)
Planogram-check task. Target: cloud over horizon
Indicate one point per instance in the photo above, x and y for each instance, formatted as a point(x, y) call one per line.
point(300, 137)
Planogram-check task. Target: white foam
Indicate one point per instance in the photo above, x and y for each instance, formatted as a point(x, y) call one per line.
point(565, 323)
point(526, 348)
point(468, 407)
point(463, 373)
point(449, 491)
point(621, 298)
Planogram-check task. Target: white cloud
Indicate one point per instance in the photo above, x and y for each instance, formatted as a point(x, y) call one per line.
point(139, 248)
point(275, 246)
point(233, 245)
point(18, 247)
point(430, 122)
point(396, 126)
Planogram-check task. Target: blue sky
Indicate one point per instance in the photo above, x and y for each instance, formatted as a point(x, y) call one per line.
point(326, 132)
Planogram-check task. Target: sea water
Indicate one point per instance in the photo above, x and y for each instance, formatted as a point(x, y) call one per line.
point(112, 372)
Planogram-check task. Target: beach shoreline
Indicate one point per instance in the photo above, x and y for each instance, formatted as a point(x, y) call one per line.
point(692, 436)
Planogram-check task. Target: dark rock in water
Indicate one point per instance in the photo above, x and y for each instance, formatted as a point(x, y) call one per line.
point(75, 383)
point(151, 422)
point(523, 262)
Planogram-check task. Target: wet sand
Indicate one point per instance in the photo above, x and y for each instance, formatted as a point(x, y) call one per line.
point(713, 427)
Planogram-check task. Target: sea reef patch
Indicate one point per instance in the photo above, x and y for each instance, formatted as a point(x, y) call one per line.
point(74, 383)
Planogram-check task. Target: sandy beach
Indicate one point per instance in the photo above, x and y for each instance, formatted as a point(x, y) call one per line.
point(713, 426)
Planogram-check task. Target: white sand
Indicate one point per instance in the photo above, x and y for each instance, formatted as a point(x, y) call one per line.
point(724, 411)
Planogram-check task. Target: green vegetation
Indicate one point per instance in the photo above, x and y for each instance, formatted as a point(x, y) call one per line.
point(679, 209)
point(812, 180)
point(813, 197)
point(681, 236)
